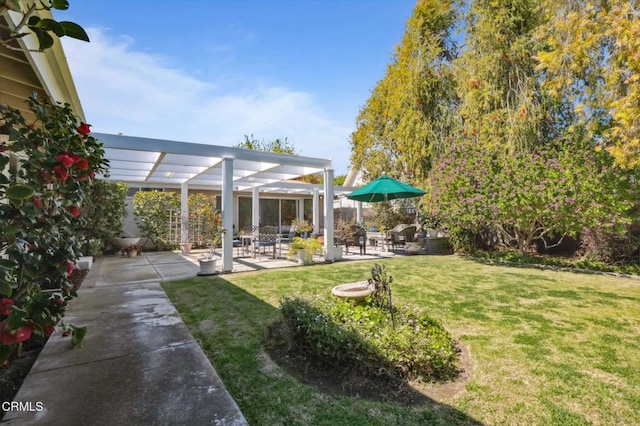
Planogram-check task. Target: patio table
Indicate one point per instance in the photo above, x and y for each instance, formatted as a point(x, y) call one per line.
point(381, 237)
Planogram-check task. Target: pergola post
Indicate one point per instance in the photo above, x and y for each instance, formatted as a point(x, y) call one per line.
point(227, 214)
point(255, 207)
point(184, 213)
point(316, 211)
point(328, 215)
point(359, 217)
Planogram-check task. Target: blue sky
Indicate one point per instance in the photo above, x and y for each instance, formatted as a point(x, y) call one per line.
point(213, 71)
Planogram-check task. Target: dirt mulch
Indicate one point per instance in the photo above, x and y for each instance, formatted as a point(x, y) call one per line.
point(381, 388)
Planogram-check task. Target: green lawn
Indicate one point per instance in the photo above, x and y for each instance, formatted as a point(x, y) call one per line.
point(547, 347)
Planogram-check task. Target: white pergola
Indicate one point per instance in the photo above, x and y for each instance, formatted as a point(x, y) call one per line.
point(150, 162)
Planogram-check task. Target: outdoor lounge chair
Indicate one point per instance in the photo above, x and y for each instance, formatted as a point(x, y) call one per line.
point(263, 237)
point(400, 237)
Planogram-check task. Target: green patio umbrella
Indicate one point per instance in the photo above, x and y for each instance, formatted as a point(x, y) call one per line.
point(384, 189)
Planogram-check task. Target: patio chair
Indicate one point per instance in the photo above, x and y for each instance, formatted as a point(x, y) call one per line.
point(287, 239)
point(402, 236)
point(264, 236)
point(357, 237)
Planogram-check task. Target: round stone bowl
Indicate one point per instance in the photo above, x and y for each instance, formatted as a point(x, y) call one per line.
point(355, 291)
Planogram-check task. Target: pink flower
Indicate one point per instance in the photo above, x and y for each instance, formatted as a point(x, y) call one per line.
point(70, 268)
point(84, 128)
point(65, 159)
point(74, 211)
point(82, 164)
point(48, 330)
point(61, 173)
point(23, 333)
point(46, 176)
point(5, 306)
point(37, 202)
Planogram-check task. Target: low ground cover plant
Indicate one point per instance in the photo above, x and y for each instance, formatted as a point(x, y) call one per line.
point(361, 337)
point(372, 337)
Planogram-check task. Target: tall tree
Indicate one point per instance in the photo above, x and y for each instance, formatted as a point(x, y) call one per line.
point(502, 106)
point(407, 115)
point(592, 62)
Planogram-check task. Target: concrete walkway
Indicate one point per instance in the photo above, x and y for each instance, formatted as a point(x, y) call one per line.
point(139, 364)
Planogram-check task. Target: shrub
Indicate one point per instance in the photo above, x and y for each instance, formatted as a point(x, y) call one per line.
point(152, 210)
point(361, 337)
point(612, 248)
point(104, 211)
point(47, 167)
point(558, 190)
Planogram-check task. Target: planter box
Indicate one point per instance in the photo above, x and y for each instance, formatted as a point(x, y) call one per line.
point(305, 257)
point(438, 245)
point(85, 262)
point(412, 248)
point(337, 253)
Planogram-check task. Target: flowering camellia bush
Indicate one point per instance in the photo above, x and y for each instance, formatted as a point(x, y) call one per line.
point(46, 167)
point(558, 190)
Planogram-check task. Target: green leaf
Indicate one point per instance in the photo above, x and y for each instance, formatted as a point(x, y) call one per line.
point(33, 21)
point(60, 4)
point(5, 288)
point(4, 160)
point(46, 41)
point(52, 25)
point(78, 335)
point(19, 192)
point(74, 30)
point(8, 264)
point(10, 232)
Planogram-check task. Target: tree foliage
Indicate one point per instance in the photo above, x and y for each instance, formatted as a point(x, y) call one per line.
point(591, 62)
point(278, 146)
point(502, 106)
point(43, 28)
point(408, 116)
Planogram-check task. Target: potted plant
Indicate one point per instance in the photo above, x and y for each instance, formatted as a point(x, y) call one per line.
point(303, 228)
point(132, 250)
point(185, 248)
point(304, 249)
point(212, 231)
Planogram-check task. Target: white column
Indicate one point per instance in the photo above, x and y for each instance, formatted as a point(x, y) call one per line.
point(316, 211)
point(328, 215)
point(255, 207)
point(184, 213)
point(359, 217)
point(227, 214)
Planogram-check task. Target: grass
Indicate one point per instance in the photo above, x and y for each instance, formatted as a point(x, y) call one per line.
point(547, 347)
